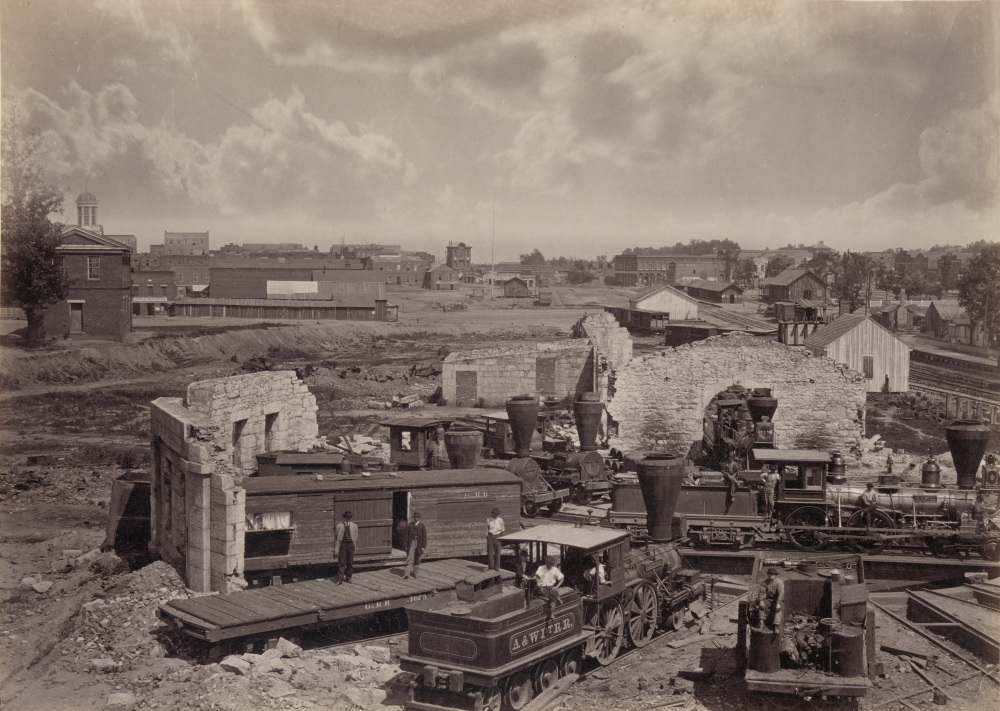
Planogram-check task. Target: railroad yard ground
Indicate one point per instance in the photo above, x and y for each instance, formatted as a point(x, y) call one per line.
point(78, 626)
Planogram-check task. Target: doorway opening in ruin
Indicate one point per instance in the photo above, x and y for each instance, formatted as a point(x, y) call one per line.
point(269, 424)
point(736, 420)
point(238, 427)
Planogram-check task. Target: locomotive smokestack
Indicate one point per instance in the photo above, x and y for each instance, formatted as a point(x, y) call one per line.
point(967, 440)
point(587, 413)
point(522, 413)
point(464, 445)
point(660, 477)
point(761, 404)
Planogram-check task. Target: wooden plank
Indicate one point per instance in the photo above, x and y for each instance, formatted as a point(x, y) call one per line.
point(196, 608)
point(278, 593)
point(222, 615)
point(265, 609)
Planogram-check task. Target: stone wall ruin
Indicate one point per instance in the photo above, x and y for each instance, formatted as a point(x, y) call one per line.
point(660, 398)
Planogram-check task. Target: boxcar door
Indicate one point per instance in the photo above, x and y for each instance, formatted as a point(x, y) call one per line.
point(372, 512)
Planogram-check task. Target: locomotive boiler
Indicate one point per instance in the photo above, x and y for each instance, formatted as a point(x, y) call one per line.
point(490, 645)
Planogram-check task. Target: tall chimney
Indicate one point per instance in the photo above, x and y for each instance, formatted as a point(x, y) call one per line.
point(902, 298)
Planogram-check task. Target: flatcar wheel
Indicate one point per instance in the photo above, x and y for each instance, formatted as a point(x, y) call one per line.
point(571, 662)
point(492, 699)
point(880, 522)
point(519, 691)
point(610, 634)
point(529, 508)
point(555, 505)
point(546, 674)
point(642, 615)
point(582, 497)
point(806, 540)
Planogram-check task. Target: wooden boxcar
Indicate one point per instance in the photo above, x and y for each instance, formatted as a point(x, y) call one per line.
point(291, 520)
point(309, 463)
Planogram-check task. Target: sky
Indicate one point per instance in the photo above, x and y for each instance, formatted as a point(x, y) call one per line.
point(578, 128)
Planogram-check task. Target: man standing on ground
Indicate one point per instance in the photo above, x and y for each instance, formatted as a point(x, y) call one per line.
point(416, 542)
point(344, 543)
point(494, 529)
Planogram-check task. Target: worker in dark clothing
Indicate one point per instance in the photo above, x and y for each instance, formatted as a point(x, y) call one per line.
point(766, 606)
point(770, 480)
point(888, 463)
point(869, 503)
point(521, 567)
point(731, 473)
point(344, 543)
point(980, 511)
point(416, 542)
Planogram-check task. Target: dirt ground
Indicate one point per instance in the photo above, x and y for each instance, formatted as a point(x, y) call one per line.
point(79, 626)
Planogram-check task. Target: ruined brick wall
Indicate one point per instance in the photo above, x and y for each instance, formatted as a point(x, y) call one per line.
point(560, 369)
point(662, 396)
point(202, 447)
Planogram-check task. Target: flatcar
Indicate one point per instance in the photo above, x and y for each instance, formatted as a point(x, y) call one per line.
point(816, 505)
point(820, 647)
point(488, 645)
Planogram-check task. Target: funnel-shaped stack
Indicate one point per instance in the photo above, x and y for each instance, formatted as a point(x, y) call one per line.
point(967, 440)
point(464, 445)
point(660, 477)
point(587, 413)
point(761, 404)
point(522, 414)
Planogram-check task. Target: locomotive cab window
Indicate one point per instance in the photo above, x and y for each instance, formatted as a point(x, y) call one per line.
point(813, 476)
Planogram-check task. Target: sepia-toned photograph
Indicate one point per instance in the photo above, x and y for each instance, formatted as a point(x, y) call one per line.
point(499, 355)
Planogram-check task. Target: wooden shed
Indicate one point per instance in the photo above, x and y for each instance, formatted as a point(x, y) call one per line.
point(516, 288)
point(867, 347)
point(668, 300)
point(291, 520)
point(717, 292)
point(792, 284)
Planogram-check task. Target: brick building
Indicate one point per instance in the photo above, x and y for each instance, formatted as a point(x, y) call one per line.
point(189, 243)
point(99, 297)
point(152, 291)
point(654, 269)
point(459, 256)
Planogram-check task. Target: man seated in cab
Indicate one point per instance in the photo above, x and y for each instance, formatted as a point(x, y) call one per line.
point(548, 579)
point(596, 576)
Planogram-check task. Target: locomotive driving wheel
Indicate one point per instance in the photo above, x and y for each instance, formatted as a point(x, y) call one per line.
point(642, 615)
point(880, 523)
point(519, 691)
point(806, 540)
point(546, 674)
point(607, 640)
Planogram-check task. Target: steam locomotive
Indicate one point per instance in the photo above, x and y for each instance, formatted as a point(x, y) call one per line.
point(582, 474)
point(739, 421)
point(486, 645)
point(815, 505)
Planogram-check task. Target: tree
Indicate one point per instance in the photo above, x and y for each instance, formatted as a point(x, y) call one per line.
point(979, 291)
point(777, 264)
point(730, 257)
point(746, 273)
point(887, 279)
point(31, 269)
point(853, 280)
point(535, 258)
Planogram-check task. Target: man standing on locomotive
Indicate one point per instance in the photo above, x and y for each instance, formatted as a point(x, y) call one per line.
point(731, 473)
point(770, 595)
point(494, 529)
point(869, 502)
point(416, 542)
point(770, 479)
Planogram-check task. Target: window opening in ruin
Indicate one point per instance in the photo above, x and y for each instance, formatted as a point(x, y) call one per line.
point(269, 435)
point(237, 445)
point(869, 367)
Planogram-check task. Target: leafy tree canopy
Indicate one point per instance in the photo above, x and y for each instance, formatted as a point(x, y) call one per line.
point(979, 290)
point(694, 247)
point(777, 264)
point(535, 258)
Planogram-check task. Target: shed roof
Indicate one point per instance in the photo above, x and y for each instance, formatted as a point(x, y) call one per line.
point(414, 421)
point(950, 311)
point(662, 287)
point(787, 277)
point(810, 456)
point(733, 319)
point(379, 481)
point(707, 285)
point(582, 537)
point(826, 335)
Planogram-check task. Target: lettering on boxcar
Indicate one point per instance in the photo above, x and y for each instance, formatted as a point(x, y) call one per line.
point(560, 627)
point(475, 495)
point(376, 605)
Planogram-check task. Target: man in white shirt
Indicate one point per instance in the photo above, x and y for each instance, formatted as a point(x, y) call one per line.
point(869, 503)
point(494, 529)
point(548, 578)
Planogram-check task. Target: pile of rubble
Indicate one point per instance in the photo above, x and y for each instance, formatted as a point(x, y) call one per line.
point(64, 484)
point(358, 444)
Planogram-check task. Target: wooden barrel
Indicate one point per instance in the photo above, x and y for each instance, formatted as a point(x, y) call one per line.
point(765, 650)
point(847, 651)
point(464, 445)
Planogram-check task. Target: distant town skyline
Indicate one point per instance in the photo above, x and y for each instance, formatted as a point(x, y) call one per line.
point(575, 128)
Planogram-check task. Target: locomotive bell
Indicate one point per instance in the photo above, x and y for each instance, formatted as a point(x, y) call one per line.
point(930, 475)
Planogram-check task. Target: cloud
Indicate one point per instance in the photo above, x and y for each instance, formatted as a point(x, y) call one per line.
point(287, 159)
point(175, 45)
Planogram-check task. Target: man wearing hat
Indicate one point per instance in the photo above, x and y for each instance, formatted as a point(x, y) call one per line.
point(869, 503)
point(548, 578)
point(344, 543)
point(770, 595)
point(416, 542)
point(494, 529)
